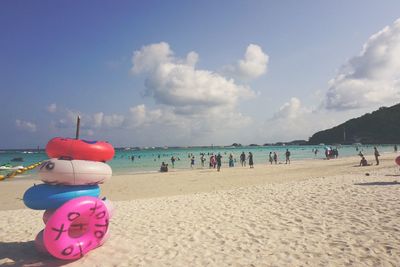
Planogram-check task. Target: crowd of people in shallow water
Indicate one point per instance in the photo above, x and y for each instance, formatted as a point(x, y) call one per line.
point(214, 161)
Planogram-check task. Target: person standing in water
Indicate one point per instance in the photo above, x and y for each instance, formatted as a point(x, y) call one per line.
point(270, 158)
point(219, 162)
point(213, 161)
point(173, 161)
point(376, 154)
point(192, 162)
point(202, 159)
point(275, 158)
point(243, 159)
point(251, 163)
point(231, 164)
point(287, 154)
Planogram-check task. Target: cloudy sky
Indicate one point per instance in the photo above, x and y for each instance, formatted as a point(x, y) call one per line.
point(155, 73)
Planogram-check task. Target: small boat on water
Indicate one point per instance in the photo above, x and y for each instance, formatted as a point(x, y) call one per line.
point(17, 159)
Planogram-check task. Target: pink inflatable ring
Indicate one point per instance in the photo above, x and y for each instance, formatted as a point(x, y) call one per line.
point(76, 227)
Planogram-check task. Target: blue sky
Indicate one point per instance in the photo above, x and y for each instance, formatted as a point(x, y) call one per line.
point(153, 73)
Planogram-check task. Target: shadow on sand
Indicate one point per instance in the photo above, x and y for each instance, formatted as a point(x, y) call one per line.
point(25, 254)
point(359, 166)
point(379, 183)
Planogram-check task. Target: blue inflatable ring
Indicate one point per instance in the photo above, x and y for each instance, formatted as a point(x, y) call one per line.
point(45, 196)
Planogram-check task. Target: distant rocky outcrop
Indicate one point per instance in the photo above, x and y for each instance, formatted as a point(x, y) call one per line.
point(236, 145)
point(291, 143)
point(379, 127)
point(297, 143)
point(253, 145)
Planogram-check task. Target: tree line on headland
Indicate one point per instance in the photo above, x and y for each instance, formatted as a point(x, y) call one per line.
point(378, 127)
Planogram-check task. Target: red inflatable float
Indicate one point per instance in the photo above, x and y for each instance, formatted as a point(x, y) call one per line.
point(79, 149)
point(397, 160)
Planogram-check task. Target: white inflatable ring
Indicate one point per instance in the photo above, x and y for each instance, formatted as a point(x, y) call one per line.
point(74, 172)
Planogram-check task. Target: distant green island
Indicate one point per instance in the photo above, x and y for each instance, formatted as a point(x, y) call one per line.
point(379, 127)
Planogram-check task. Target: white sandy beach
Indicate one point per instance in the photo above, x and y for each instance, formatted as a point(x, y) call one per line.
point(311, 213)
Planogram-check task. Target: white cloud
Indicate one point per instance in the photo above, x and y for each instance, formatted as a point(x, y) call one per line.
point(294, 121)
point(253, 65)
point(188, 100)
point(201, 128)
point(175, 82)
point(97, 119)
point(26, 125)
point(113, 121)
point(162, 125)
point(291, 110)
point(66, 119)
point(371, 78)
point(141, 116)
point(150, 57)
point(52, 108)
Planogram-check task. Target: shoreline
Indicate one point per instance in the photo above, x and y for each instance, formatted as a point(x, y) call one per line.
point(124, 187)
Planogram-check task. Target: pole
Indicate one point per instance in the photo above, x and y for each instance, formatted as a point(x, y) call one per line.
point(78, 122)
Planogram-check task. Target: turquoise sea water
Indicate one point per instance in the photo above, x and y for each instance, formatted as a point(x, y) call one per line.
point(149, 160)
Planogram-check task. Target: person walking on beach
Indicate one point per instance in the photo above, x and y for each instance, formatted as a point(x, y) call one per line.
point(395, 148)
point(287, 154)
point(275, 158)
point(251, 163)
point(376, 154)
point(270, 158)
point(219, 162)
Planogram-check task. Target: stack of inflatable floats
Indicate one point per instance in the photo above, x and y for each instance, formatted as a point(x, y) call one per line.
point(76, 219)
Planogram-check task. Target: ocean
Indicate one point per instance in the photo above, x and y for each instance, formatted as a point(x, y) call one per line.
point(150, 159)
